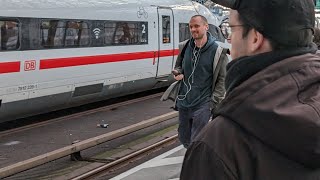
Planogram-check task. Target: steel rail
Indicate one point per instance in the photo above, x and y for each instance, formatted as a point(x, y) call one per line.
point(125, 159)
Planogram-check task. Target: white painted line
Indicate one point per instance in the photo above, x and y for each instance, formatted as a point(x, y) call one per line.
point(165, 161)
point(157, 160)
point(12, 143)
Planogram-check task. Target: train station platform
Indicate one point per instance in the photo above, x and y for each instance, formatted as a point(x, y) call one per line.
point(166, 166)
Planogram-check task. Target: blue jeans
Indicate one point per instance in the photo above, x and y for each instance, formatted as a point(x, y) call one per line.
point(191, 121)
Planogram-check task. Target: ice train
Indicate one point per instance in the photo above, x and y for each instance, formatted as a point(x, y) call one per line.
point(59, 54)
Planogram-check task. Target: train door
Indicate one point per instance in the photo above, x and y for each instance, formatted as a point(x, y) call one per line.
point(166, 41)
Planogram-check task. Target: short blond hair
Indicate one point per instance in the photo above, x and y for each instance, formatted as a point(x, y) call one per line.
point(204, 19)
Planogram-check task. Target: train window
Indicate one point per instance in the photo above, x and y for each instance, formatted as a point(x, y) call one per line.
point(58, 33)
point(126, 33)
point(166, 29)
point(109, 28)
point(9, 35)
point(215, 31)
point(52, 33)
point(77, 34)
point(184, 32)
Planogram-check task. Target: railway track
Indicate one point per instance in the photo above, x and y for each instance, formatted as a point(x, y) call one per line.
point(79, 114)
point(127, 159)
point(85, 144)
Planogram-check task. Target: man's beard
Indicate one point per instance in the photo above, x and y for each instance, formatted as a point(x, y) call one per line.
point(198, 37)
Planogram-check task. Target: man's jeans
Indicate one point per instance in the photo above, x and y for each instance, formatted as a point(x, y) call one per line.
point(191, 121)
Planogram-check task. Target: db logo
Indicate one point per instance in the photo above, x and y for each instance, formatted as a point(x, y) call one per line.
point(30, 65)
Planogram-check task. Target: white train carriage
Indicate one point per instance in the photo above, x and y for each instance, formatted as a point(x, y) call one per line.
point(58, 54)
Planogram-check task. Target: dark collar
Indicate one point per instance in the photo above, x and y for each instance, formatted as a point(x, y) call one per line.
point(241, 69)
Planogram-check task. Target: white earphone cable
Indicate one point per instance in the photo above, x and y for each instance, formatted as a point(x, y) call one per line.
point(195, 58)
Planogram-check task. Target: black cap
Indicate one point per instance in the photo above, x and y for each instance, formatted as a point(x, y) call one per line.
point(279, 20)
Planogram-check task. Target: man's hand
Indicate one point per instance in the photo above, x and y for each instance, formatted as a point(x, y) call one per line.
point(178, 77)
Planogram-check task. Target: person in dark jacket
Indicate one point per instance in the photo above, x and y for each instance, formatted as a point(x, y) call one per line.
point(268, 125)
point(316, 37)
point(202, 86)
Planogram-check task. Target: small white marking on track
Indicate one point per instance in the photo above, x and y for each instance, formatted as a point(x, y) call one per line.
point(12, 143)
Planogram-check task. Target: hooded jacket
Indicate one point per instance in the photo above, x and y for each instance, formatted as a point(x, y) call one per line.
point(268, 125)
point(204, 78)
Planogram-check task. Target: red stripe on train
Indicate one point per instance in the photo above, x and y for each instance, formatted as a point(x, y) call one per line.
point(169, 52)
point(9, 67)
point(85, 60)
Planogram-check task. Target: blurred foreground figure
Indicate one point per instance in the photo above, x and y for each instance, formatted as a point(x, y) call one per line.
point(268, 125)
point(316, 38)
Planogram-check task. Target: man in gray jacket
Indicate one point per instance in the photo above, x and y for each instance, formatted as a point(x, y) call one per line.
point(268, 125)
point(202, 80)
